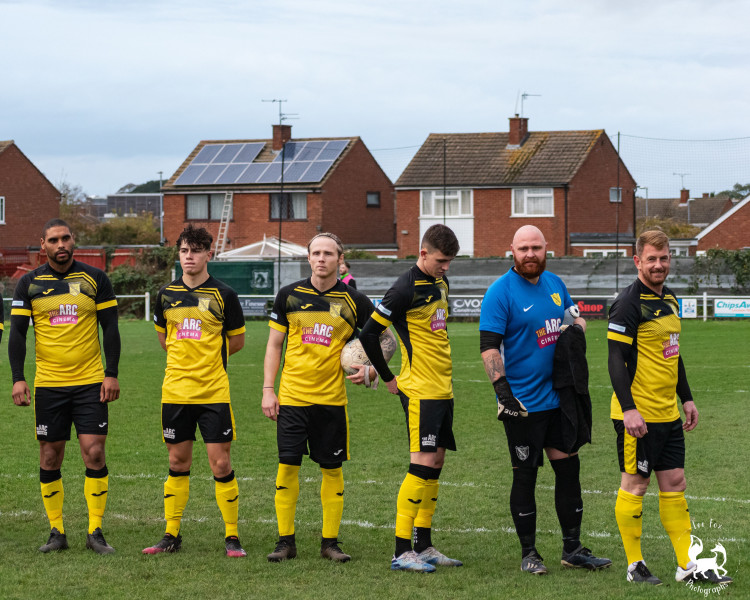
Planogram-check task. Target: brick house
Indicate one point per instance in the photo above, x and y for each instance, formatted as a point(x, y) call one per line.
point(27, 201)
point(730, 231)
point(564, 182)
point(330, 184)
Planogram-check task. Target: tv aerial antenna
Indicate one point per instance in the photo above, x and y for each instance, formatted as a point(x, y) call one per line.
point(282, 115)
point(522, 97)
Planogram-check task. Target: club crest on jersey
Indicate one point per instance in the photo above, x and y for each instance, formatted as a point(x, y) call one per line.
point(522, 452)
point(75, 288)
point(556, 299)
point(334, 310)
point(189, 329)
point(320, 334)
point(671, 347)
point(203, 304)
point(438, 320)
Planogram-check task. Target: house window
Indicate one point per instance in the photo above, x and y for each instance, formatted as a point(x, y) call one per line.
point(533, 202)
point(373, 198)
point(455, 203)
point(206, 207)
point(291, 207)
point(549, 254)
point(596, 253)
point(615, 195)
point(2, 210)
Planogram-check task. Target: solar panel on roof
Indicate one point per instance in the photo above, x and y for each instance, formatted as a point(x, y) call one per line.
point(226, 164)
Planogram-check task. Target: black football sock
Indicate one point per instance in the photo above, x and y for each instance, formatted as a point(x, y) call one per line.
point(523, 507)
point(568, 501)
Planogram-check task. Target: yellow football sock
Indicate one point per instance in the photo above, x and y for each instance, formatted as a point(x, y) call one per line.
point(410, 497)
point(95, 489)
point(332, 499)
point(228, 499)
point(427, 508)
point(675, 518)
point(629, 515)
point(287, 492)
point(52, 496)
point(176, 494)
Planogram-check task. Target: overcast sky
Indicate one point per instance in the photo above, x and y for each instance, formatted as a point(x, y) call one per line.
point(100, 93)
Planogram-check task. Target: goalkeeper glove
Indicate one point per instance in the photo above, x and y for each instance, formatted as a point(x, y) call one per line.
point(508, 406)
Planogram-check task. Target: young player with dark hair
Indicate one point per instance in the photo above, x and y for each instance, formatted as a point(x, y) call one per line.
point(67, 302)
point(416, 305)
point(199, 322)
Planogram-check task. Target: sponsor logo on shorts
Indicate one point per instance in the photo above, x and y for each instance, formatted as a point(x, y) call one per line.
point(429, 440)
point(67, 314)
point(338, 452)
point(438, 320)
point(671, 348)
point(320, 334)
point(190, 329)
point(227, 432)
point(522, 452)
point(102, 424)
point(169, 433)
point(41, 430)
point(643, 466)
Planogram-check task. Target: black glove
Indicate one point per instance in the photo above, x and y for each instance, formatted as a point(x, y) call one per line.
point(508, 406)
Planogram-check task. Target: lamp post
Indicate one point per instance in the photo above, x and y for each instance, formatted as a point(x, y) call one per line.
point(161, 211)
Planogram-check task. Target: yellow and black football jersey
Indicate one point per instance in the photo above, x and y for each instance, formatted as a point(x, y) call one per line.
point(650, 325)
point(64, 307)
point(197, 323)
point(417, 306)
point(317, 324)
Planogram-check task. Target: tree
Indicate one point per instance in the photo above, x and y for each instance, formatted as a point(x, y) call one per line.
point(738, 192)
point(150, 187)
point(669, 225)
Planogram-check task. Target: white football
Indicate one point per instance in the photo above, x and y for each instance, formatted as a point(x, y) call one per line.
point(353, 353)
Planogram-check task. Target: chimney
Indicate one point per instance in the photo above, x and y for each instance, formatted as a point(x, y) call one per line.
point(684, 196)
point(281, 135)
point(705, 194)
point(519, 131)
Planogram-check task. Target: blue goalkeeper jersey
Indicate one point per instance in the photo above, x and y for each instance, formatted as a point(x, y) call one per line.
point(528, 316)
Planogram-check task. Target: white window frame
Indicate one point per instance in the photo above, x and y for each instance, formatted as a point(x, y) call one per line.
point(431, 203)
point(550, 254)
point(2, 210)
point(299, 206)
point(211, 200)
point(615, 195)
point(603, 253)
point(521, 197)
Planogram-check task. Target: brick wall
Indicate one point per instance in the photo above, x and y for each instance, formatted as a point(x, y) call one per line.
point(731, 234)
point(30, 200)
point(345, 210)
point(407, 220)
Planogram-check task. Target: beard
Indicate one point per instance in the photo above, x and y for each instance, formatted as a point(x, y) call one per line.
point(530, 269)
point(59, 259)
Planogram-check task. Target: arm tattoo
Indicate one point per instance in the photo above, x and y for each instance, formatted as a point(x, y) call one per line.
point(493, 364)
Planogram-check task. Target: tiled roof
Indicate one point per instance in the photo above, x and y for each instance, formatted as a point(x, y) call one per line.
point(702, 210)
point(484, 159)
point(266, 155)
point(6, 144)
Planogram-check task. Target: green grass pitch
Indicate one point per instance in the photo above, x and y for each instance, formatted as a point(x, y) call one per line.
point(472, 521)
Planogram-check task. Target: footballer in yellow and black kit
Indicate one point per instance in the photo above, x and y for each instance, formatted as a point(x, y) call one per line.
point(644, 333)
point(317, 325)
point(66, 310)
point(197, 323)
point(417, 306)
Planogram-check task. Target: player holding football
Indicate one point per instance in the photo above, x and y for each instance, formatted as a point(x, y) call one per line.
point(647, 374)
point(416, 305)
point(199, 322)
point(316, 316)
point(521, 315)
point(67, 301)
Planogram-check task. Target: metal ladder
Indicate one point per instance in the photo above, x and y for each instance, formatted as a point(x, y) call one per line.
point(221, 238)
